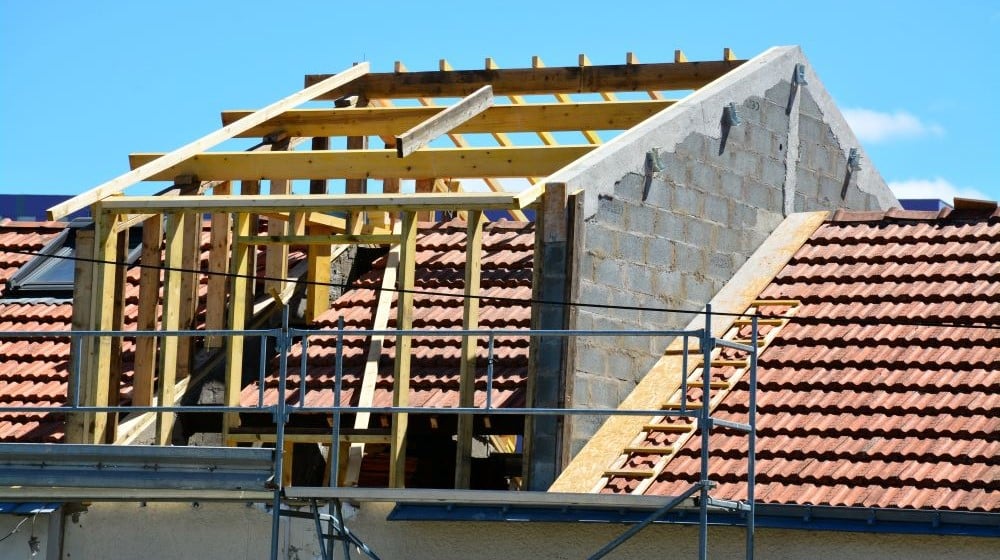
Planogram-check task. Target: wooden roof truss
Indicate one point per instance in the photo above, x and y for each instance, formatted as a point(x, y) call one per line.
point(408, 112)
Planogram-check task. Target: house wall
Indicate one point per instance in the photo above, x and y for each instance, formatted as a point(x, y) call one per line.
point(674, 207)
point(235, 531)
point(16, 545)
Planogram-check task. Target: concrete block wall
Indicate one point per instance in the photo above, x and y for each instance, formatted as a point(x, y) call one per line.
point(673, 230)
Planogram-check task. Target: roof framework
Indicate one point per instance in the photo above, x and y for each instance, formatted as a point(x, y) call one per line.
point(227, 185)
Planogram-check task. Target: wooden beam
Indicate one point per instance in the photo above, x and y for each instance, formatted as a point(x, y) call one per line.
point(391, 121)
point(276, 256)
point(152, 168)
point(605, 95)
point(423, 186)
point(503, 139)
point(366, 396)
point(424, 133)
point(172, 300)
point(149, 300)
point(528, 81)
point(318, 257)
point(102, 317)
point(401, 370)
point(239, 296)
point(631, 60)
point(118, 322)
point(218, 265)
point(189, 286)
point(377, 164)
point(77, 424)
point(319, 203)
point(467, 369)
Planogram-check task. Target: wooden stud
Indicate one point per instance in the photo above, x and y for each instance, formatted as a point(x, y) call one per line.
point(401, 371)
point(218, 265)
point(102, 315)
point(276, 257)
point(422, 134)
point(240, 290)
point(118, 321)
point(78, 423)
point(529, 81)
point(189, 287)
point(318, 257)
point(120, 183)
point(171, 319)
point(149, 299)
point(467, 371)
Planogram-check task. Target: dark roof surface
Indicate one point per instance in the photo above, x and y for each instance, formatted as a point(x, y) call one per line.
point(877, 414)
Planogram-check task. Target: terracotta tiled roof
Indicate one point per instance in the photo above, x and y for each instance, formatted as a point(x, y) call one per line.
point(440, 261)
point(879, 414)
point(35, 372)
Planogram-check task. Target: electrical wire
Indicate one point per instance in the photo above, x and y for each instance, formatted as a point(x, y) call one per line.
point(958, 323)
point(14, 530)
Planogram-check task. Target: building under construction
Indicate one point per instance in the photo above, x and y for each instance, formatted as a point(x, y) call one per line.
point(428, 304)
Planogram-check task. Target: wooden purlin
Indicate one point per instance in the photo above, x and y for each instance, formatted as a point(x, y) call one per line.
point(685, 427)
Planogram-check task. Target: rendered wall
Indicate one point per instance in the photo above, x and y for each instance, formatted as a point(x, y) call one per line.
point(692, 199)
point(234, 531)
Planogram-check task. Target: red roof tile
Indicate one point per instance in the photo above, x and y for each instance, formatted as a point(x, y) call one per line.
point(879, 414)
point(507, 262)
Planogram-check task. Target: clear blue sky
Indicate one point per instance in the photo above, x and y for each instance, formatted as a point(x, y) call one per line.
point(85, 83)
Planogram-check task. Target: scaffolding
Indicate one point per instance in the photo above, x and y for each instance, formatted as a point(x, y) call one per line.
point(179, 473)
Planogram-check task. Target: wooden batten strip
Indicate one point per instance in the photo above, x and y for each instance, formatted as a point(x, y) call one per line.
point(149, 299)
point(218, 265)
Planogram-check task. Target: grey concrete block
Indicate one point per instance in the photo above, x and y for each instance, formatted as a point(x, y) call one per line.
point(639, 278)
point(690, 257)
point(679, 173)
point(705, 177)
point(668, 284)
point(773, 172)
point(630, 186)
point(638, 217)
point(608, 271)
point(720, 266)
point(775, 118)
point(688, 201)
point(746, 215)
point(658, 193)
point(701, 233)
point(730, 239)
point(593, 293)
point(759, 140)
point(591, 360)
point(668, 225)
point(609, 210)
point(811, 130)
point(699, 288)
point(600, 240)
point(629, 246)
point(806, 182)
point(659, 252)
point(717, 208)
point(808, 106)
point(746, 164)
point(756, 194)
point(731, 183)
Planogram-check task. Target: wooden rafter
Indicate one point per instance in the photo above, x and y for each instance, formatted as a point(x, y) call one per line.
point(152, 168)
point(378, 164)
point(445, 121)
point(528, 81)
point(590, 135)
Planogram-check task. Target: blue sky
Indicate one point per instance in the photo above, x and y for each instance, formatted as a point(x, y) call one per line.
point(85, 83)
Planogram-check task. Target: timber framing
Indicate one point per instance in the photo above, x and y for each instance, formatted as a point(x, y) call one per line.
point(244, 207)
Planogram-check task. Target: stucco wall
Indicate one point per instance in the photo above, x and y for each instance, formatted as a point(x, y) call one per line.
point(671, 233)
point(234, 531)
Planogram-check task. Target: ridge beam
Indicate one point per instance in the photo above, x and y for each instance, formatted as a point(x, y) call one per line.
point(529, 81)
point(375, 164)
point(152, 168)
point(445, 121)
point(270, 204)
